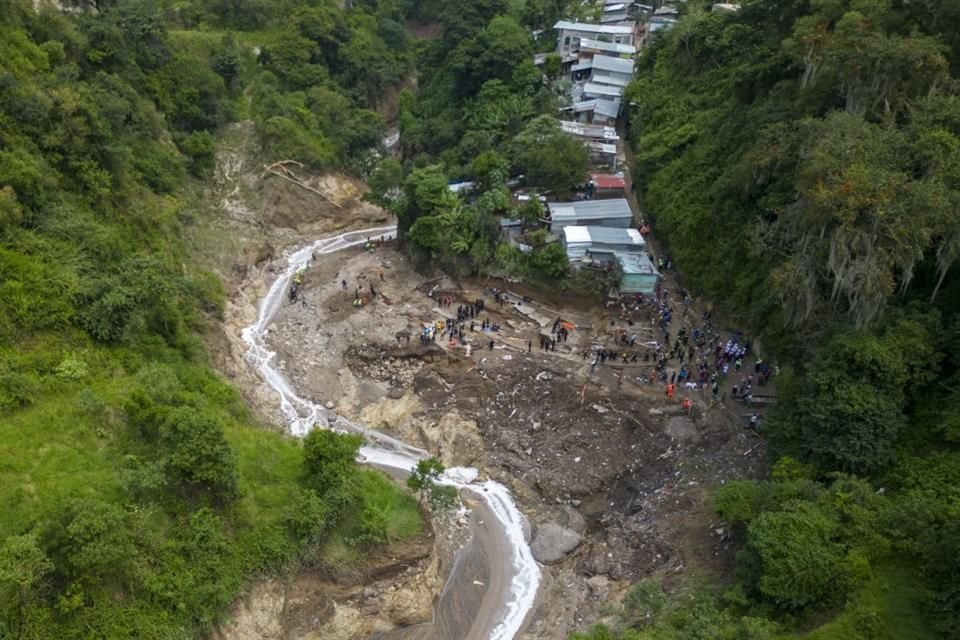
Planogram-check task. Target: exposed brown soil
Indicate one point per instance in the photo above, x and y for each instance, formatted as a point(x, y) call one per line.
point(599, 450)
point(602, 443)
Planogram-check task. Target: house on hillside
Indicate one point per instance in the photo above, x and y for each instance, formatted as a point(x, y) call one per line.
point(603, 69)
point(601, 213)
point(570, 33)
point(596, 246)
point(603, 155)
point(579, 241)
point(623, 10)
point(590, 132)
point(639, 273)
point(614, 14)
point(599, 82)
point(663, 19)
point(604, 186)
point(599, 112)
point(589, 48)
point(594, 91)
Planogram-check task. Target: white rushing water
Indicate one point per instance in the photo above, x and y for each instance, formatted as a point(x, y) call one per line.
point(384, 451)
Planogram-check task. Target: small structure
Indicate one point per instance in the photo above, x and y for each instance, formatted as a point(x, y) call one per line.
point(663, 19)
point(600, 112)
point(590, 47)
point(603, 69)
point(603, 155)
point(589, 132)
point(600, 241)
point(614, 17)
point(614, 67)
point(461, 187)
point(607, 185)
point(570, 34)
point(594, 90)
point(509, 224)
point(603, 213)
point(639, 273)
point(598, 246)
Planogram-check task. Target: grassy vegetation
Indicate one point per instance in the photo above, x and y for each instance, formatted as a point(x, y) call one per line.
point(388, 504)
point(888, 607)
point(137, 493)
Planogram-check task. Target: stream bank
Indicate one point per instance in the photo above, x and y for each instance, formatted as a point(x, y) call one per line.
point(598, 454)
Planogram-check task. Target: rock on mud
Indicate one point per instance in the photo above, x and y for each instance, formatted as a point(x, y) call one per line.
point(553, 542)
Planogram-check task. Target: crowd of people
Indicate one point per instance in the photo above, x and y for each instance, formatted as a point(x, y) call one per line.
point(678, 348)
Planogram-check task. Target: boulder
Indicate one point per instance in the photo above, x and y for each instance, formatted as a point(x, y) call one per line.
point(553, 542)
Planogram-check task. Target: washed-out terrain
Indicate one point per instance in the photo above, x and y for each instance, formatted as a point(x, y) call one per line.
point(610, 472)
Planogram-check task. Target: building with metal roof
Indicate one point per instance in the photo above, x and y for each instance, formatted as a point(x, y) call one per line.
point(570, 34)
point(582, 240)
point(593, 245)
point(589, 131)
point(610, 79)
point(589, 46)
point(607, 185)
point(613, 65)
point(600, 29)
point(614, 17)
point(594, 90)
point(639, 273)
point(603, 213)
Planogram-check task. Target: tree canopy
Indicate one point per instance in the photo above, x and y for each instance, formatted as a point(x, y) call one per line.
point(138, 493)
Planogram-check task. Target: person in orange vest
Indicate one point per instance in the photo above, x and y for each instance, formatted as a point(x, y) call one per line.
point(671, 388)
point(687, 404)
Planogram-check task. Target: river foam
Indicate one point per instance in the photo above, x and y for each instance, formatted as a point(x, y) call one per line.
point(385, 451)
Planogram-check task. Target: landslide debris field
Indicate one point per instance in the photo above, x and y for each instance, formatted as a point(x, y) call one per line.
point(611, 473)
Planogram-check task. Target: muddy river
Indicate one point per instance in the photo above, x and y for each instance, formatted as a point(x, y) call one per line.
point(492, 588)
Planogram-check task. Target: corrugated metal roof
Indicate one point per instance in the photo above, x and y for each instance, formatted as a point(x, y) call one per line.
point(590, 210)
point(607, 236)
point(608, 181)
point(616, 236)
point(612, 64)
point(659, 25)
point(608, 108)
point(582, 66)
point(600, 147)
point(594, 28)
point(579, 107)
point(594, 89)
point(617, 16)
point(592, 131)
point(608, 79)
point(610, 47)
point(636, 263)
point(574, 234)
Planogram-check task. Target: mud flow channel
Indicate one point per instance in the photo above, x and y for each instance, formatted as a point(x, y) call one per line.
point(493, 585)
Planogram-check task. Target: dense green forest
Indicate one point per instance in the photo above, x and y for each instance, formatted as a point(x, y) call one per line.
point(801, 162)
point(137, 493)
point(483, 112)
